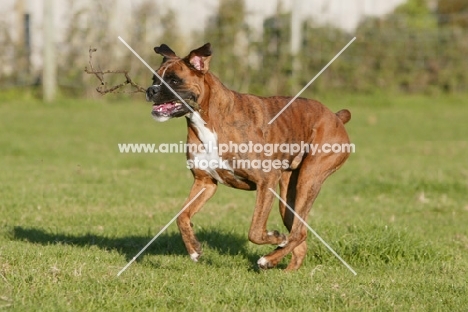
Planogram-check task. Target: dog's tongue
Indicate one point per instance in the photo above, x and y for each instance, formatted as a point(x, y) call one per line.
point(163, 107)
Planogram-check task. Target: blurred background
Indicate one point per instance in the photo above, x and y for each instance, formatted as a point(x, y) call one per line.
point(261, 47)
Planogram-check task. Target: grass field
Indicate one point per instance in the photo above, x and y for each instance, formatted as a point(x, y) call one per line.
point(73, 212)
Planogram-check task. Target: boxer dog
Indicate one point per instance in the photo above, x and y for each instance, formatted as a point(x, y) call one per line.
point(217, 115)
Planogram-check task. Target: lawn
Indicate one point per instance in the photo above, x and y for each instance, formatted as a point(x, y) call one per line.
point(74, 211)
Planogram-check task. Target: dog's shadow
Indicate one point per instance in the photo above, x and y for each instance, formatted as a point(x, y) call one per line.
point(166, 244)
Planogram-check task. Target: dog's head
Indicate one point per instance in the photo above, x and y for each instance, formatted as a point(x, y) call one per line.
point(185, 76)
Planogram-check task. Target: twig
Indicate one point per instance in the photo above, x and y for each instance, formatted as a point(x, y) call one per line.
point(103, 89)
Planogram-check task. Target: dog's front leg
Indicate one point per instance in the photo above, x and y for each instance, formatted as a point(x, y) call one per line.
point(183, 221)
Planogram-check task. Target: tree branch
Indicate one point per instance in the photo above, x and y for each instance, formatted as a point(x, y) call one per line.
point(103, 89)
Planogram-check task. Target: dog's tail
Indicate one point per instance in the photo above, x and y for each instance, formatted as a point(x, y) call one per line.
point(344, 115)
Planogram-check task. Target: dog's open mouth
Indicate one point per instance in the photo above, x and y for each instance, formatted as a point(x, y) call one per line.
point(167, 109)
point(171, 109)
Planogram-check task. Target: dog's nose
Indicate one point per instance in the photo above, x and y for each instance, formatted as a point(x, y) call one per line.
point(151, 92)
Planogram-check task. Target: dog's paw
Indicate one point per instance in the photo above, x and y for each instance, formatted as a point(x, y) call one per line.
point(283, 240)
point(264, 264)
point(283, 243)
point(195, 256)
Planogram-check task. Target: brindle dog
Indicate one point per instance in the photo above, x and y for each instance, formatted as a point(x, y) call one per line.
point(218, 115)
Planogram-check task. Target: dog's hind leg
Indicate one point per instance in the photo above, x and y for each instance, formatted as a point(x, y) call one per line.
point(288, 194)
point(312, 173)
point(309, 181)
point(258, 233)
point(288, 184)
point(183, 221)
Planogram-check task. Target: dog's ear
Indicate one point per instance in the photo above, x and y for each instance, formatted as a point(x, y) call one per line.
point(200, 58)
point(165, 51)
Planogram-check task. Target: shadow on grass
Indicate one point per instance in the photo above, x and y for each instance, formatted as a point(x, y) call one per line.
point(165, 244)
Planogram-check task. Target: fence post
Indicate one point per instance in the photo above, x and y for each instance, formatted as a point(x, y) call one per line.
point(49, 70)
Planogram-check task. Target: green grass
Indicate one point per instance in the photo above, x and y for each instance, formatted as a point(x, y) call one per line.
point(73, 212)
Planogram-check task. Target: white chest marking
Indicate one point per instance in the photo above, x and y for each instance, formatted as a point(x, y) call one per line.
point(209, 159)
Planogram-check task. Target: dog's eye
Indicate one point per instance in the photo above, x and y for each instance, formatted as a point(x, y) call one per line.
point(174, 81)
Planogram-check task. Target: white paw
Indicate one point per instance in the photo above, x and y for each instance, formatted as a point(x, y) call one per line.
point(283, 243)
point(194, 256)
point(262, 262)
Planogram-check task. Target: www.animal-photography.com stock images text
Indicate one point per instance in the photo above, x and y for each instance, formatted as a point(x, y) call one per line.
point(234, 155)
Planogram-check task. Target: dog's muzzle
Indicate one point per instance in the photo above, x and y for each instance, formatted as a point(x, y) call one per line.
point(152, 92)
